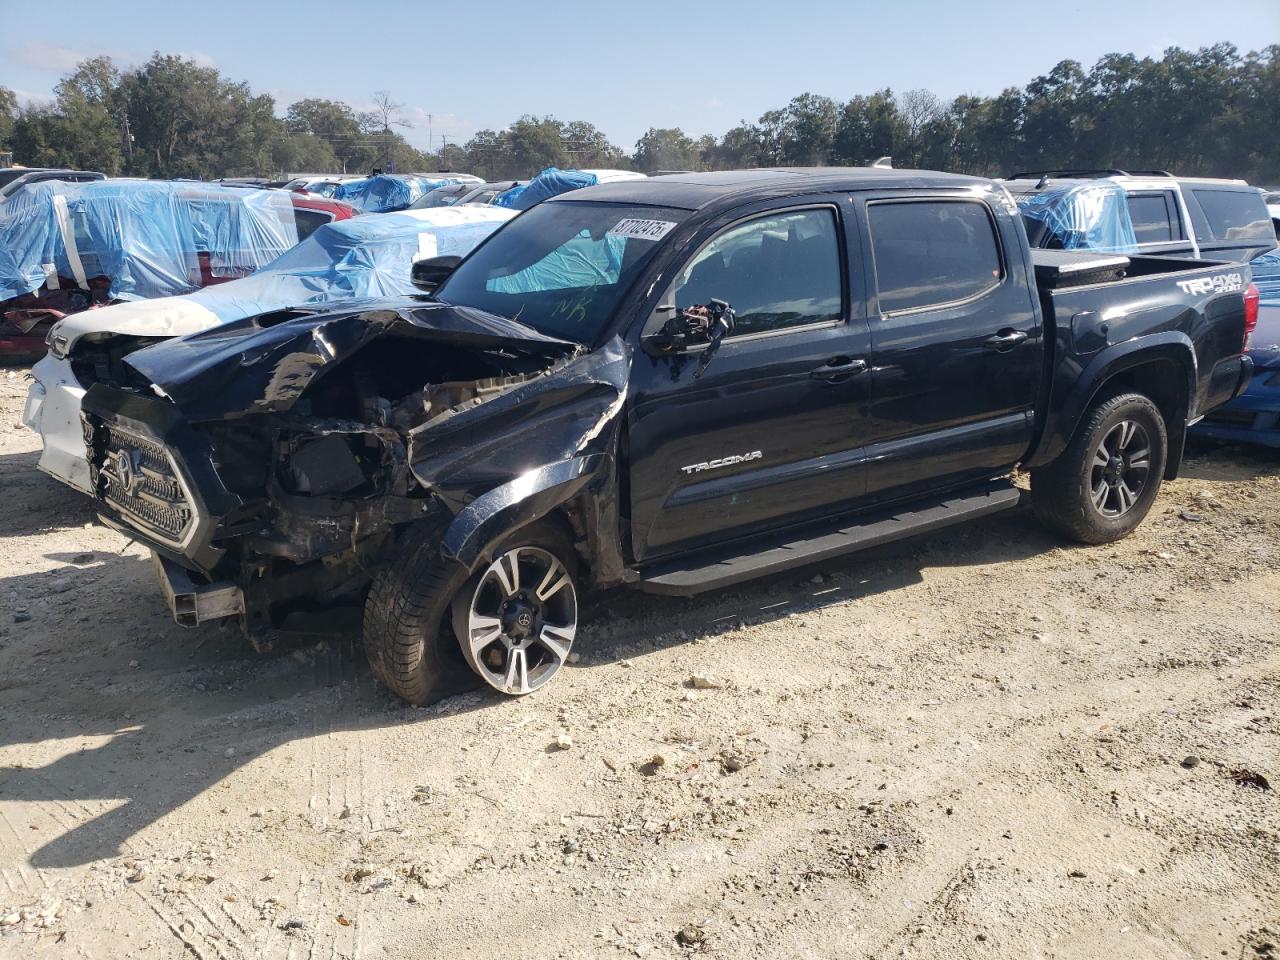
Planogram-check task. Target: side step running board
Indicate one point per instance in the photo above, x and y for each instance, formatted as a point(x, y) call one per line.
point(713, 571)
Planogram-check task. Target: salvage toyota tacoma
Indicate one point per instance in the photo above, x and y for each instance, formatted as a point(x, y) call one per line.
point(680, 384)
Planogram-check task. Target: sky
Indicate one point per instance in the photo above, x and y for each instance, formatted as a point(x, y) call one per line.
point(701, 66)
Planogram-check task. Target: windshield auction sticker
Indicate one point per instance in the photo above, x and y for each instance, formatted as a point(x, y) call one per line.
point(642, 229)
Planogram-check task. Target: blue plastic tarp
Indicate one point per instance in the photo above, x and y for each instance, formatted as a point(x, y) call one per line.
point(549, 183)
point(1266, 276)
point(1081, 216)
point(386, 192)
point(358, 259)
point(582, 262)
point(144, 236)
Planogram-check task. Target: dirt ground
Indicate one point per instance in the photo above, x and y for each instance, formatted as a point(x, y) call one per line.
point(988, 744)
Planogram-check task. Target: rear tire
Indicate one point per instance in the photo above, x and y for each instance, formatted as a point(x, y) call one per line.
point(1103, 485)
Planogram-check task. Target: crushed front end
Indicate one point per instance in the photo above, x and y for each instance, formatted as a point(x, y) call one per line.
point(269, 466)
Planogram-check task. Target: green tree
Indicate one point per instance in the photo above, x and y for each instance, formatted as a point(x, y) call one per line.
point(808, 130)
point(91, 128)
point(664, 149)
point(586, 146)
point(869, 128)
point(303, 153)
point(186, 120)
point(742, 146)
point(337, 125)
point(452, 157)
point(8, 115)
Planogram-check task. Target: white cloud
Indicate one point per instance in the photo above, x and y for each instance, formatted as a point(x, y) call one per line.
point(46, 56)
point(715, 104)
point(440, 127)
point(198, 58)
point(27, 99)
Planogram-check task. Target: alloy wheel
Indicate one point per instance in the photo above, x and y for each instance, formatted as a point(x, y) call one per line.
point(517, 625)
point(1120, 468)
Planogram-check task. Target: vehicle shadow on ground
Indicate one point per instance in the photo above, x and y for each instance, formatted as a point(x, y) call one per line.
point(164, 697)
point(35, 501)
point(662, 622)
point(1210, 460)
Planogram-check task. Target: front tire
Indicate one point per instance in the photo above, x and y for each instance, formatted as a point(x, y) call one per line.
point(1103, 485)
point(431, 627)
point(410, 646)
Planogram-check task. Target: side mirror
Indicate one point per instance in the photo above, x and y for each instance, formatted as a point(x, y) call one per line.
point(694, 326)
point(428, 274)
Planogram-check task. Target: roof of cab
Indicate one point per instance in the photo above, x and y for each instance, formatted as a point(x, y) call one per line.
point(692, 191)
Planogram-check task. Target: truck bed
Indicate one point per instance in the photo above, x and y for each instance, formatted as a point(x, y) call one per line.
point(1100, 306)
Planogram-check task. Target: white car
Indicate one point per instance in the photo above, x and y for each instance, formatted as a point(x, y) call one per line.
point(364, 258)
point(1272, 199)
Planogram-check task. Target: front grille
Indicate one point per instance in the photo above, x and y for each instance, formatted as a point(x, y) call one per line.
point(136, 477)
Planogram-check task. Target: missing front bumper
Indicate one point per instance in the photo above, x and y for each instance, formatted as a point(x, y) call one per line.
point(193, 603)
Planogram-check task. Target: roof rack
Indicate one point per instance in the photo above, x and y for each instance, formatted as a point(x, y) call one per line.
point(1084, 173)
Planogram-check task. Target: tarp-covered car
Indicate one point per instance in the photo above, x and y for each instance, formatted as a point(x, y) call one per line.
point(359, 259)
point(553, 181)
point(67, 246)
point(389, 192)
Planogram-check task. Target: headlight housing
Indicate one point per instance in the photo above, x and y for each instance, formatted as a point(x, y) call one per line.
point(57, 342)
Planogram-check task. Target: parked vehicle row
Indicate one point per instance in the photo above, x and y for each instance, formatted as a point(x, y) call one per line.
point(148, 252)
point(677, 384)
point(69, 246)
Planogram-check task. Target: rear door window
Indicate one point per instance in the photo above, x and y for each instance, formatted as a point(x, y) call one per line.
point(1235, 214)
point(932, 252)
point(1155, 217)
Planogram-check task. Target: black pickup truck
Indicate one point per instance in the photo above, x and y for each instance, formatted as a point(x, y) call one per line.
point(678, 383)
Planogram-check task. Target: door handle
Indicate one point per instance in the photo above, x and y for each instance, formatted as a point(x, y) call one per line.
point(839, 368)
point(1006, 339)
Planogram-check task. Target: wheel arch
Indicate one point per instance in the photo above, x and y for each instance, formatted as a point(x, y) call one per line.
point(548, 491)
point(1162, 368)
point(1158, 379)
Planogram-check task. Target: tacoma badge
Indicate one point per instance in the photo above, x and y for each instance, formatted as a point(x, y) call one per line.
point(723, 462)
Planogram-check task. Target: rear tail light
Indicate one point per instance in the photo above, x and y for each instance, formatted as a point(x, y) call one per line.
point(1250, 313)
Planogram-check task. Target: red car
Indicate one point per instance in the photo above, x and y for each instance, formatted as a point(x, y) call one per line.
point(25, 320)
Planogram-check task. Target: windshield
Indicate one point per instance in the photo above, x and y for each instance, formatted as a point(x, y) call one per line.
point(562, 268)
point(445, 196)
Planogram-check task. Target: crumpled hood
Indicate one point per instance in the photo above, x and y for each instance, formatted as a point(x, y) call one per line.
point(1264, 345)
point(246, 367)
point(165, 317)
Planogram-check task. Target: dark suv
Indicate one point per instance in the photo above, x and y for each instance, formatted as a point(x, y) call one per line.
point(13, 179)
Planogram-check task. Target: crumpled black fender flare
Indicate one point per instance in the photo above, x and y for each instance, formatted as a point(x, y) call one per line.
point(480, 525)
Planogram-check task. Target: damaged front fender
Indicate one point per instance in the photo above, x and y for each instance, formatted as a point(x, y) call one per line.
point(546, 444)
point(485, 521)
